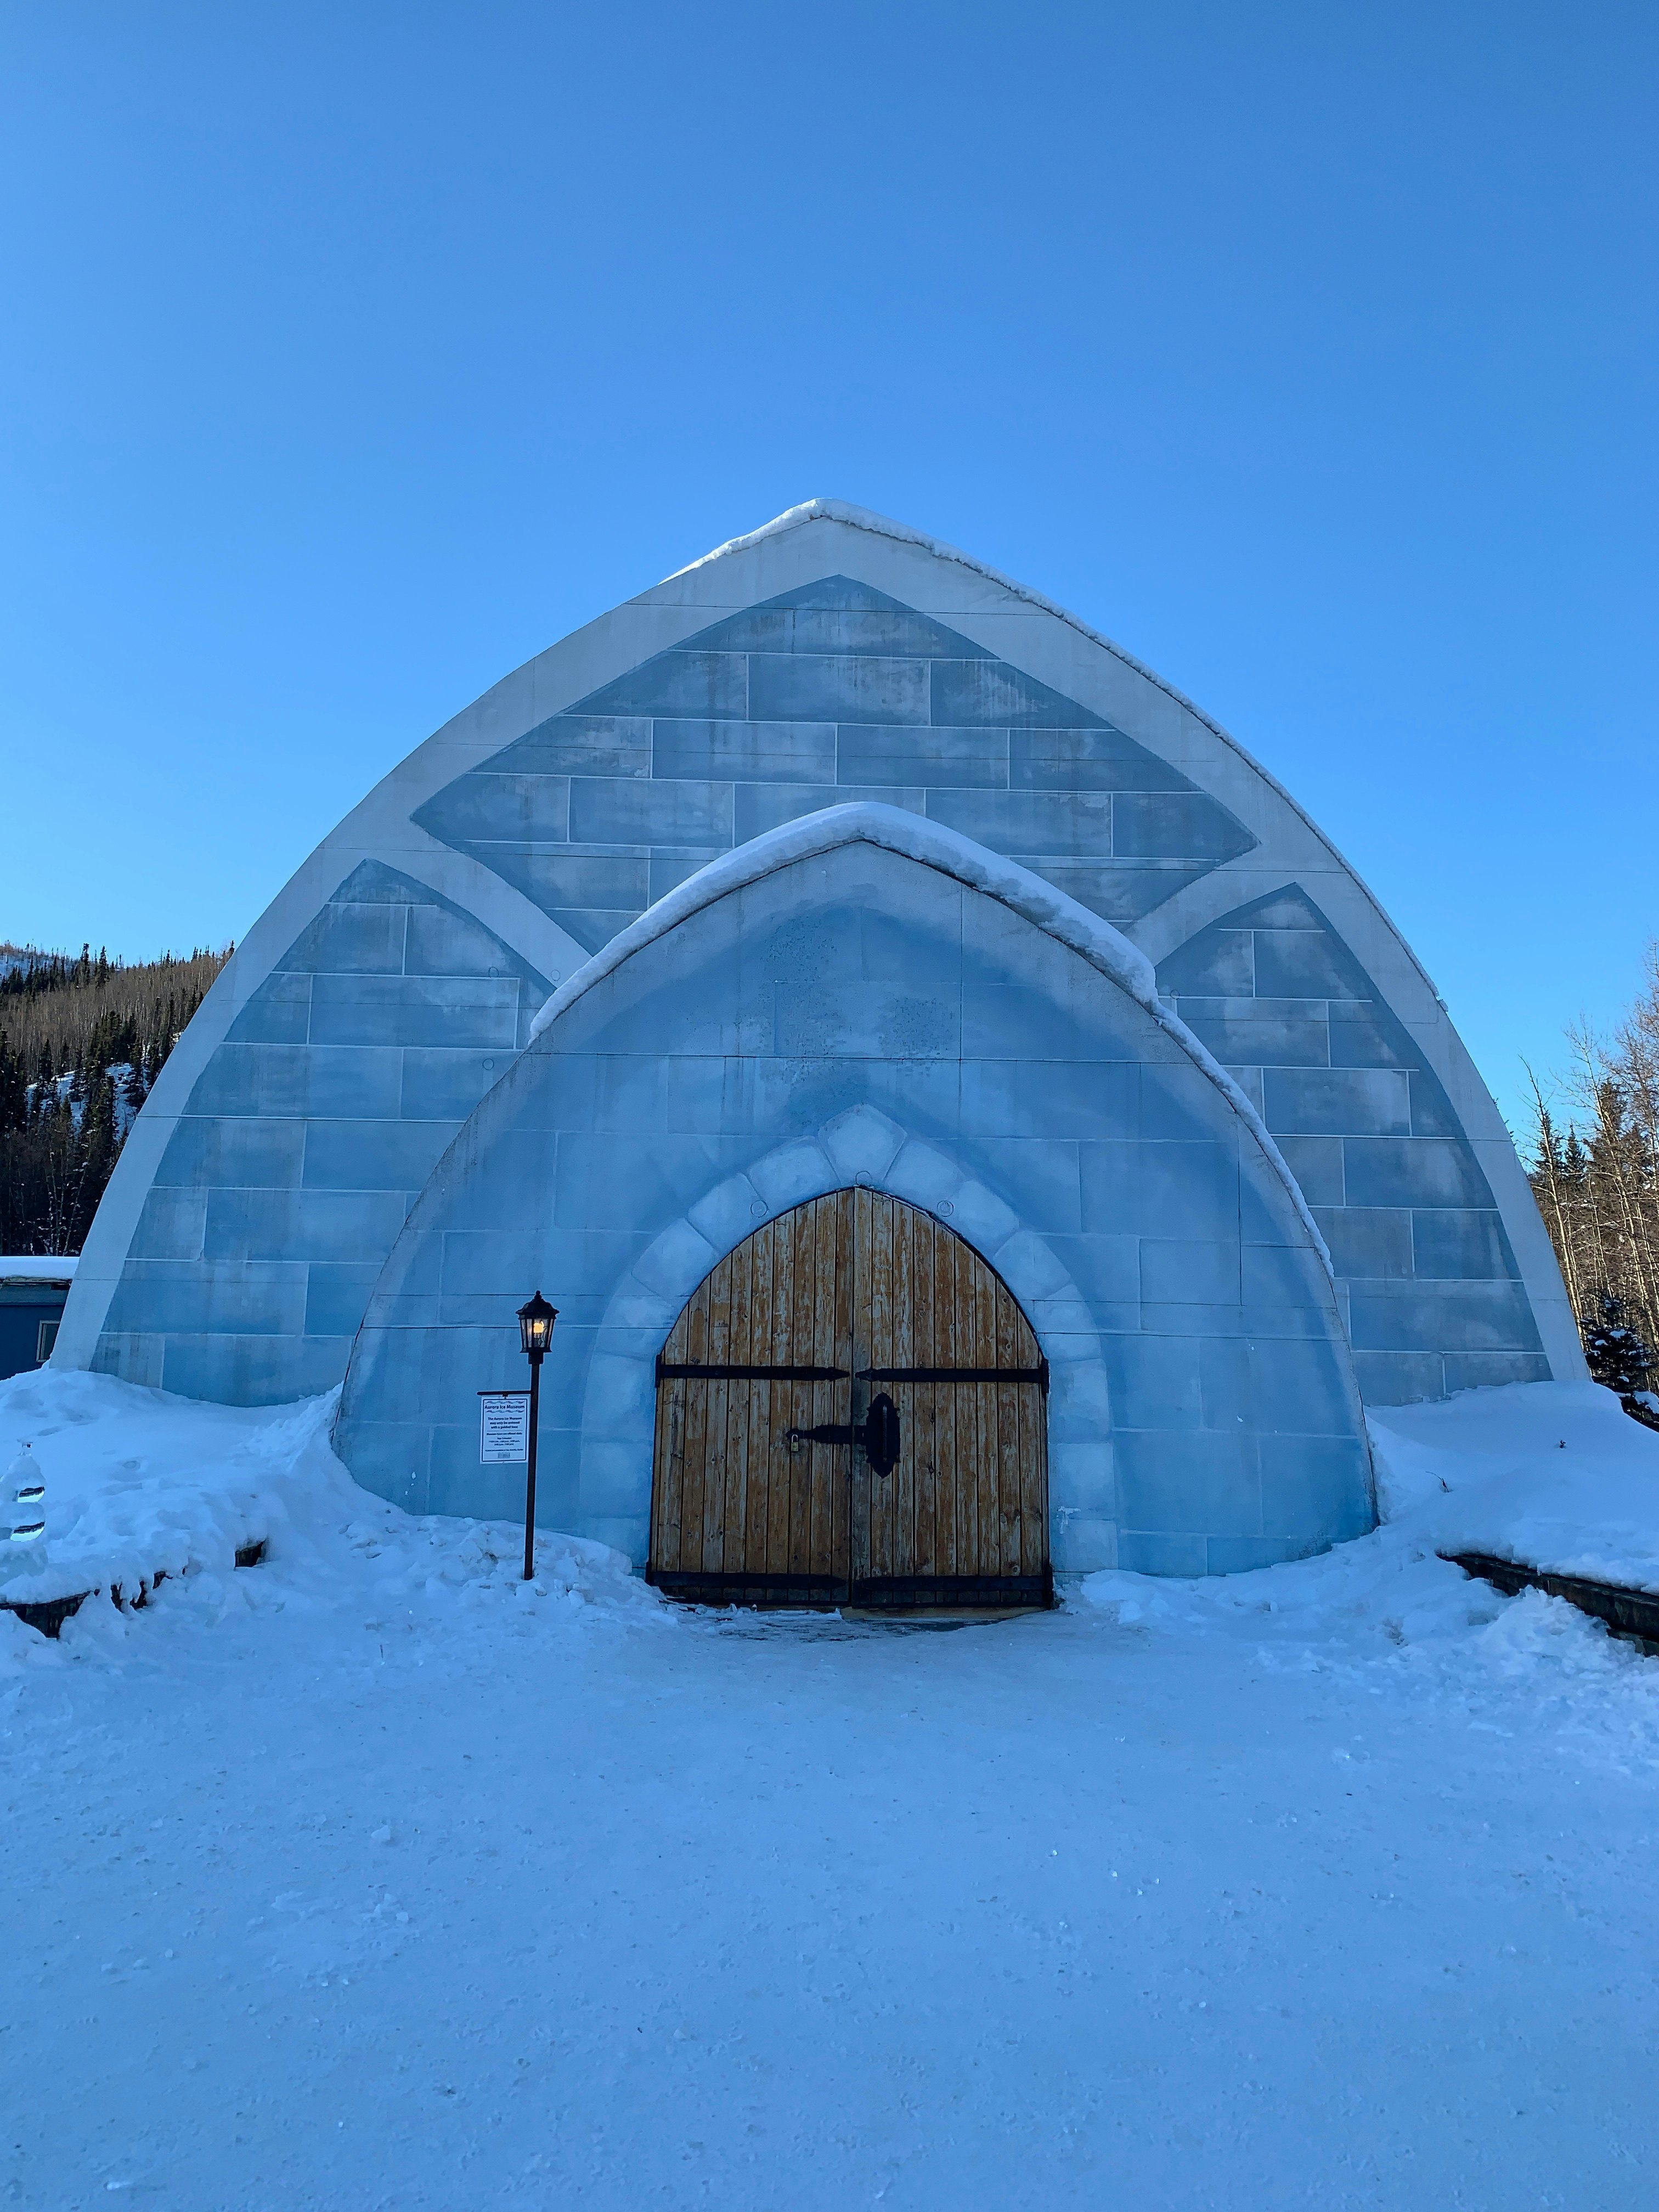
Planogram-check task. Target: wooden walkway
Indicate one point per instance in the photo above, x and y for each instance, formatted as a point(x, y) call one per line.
point(49, 1615)
point(1633, 1615)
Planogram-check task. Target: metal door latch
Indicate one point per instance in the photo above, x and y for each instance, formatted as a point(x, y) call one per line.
point(877, 1436)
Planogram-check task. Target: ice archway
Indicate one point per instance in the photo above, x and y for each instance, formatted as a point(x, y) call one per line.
point(861, 996)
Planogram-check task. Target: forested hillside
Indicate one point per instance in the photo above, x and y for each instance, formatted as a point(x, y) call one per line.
point(1596, 1176)
point(81, 1042)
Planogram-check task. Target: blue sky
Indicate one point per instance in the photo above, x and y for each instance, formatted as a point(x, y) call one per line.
point(354, 354)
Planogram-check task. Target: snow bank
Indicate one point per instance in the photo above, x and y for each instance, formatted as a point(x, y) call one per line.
point(1553, 1475)
point(140, 1483)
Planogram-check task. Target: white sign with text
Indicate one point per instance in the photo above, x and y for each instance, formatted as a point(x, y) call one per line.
point(503, 1428)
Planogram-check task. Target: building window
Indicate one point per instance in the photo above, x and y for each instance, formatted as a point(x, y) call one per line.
point(46, 1337)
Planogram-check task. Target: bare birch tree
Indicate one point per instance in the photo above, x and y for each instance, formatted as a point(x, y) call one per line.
point(1597, 1186)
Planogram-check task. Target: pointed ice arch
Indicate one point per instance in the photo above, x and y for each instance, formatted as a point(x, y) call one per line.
point(865, 997)
point(863, 650)
point(830, 692)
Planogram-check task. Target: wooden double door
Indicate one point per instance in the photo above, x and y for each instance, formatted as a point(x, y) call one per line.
point(852, 1410)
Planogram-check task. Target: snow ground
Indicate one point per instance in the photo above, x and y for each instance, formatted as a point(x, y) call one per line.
point(369, 1878)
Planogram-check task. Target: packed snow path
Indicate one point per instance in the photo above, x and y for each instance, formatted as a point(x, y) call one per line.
point(367, 1878)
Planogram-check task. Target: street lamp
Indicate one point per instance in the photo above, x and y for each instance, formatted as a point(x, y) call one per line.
point(536, 1320)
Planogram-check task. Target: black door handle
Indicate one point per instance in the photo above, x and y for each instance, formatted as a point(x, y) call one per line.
point(881, 1435)
point(877, 1436)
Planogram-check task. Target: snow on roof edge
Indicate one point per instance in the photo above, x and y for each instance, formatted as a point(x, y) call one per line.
point(916, 838)
point(34, 1268)
point(883, 525)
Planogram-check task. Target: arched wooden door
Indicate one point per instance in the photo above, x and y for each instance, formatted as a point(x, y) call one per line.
point(852, 1410)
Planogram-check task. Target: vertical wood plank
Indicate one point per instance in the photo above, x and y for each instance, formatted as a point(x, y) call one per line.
point(989, 1535)
point(773, 1457)
point(792, 1518)
point(1033, 1438)
point(714, 1466)
point(968, 1547)
point(950, 1412)
point(944, 1311)
point(748, 1259)
point(751, 1394)
point(901, 1484)
point(768, 1458)
point(968, 1479)
point(930, 1441)
point(877, 1238)
point(694, 1482)
point(819, 1398)
point(841, 1503)
point(756, 1400)
point(858, 1487)
point(984, 1439)
point(985, 1547)
point(1008, 1395)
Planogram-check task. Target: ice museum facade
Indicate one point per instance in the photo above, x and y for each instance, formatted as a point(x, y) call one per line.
point(969, 1121)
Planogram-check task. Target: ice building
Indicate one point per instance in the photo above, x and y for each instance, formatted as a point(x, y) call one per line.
point(970, 1122)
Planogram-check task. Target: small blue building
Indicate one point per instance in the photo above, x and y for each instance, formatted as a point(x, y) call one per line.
point(969, 1120)
point(33, 1293)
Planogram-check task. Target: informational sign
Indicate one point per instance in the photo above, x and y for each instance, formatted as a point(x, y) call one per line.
point(503, 1428)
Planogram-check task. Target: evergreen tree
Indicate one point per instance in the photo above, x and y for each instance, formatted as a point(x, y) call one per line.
point(99, 1143)
point(1597, 1188)
point(13, 1086)
point(1618, 1358)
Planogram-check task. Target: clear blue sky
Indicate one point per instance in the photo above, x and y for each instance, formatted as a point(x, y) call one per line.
point(354, 354)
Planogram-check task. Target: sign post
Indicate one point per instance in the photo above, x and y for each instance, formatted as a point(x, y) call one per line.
point(536, 1320)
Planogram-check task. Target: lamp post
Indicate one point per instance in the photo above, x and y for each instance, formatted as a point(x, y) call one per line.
point(536, 1320)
